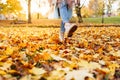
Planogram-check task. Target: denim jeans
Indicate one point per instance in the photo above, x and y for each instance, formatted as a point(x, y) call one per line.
point(65, 15)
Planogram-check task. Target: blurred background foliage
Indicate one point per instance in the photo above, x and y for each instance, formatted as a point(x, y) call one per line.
point(93, 11)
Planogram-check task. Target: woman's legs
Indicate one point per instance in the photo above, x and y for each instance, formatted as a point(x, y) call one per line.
point(65, 15)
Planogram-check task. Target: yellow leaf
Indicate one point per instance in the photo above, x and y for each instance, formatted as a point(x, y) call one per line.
point(46, 56)
point(60, 58)
point(85, 43)
point(110, 48)
point(87, 65)
point(53, 39)
point(37, 77)
point(117, 54)
point(2, 72)
point(27, 77)
point(54, 47)
point(73, 66)
point(1, 63)
point(37, 71)
point(112, 68)
point(11, 71)
point(100, 50)
point(56, 75)
point(3, 57)
point(103, 70)
point(9, 51)
point(6, 65)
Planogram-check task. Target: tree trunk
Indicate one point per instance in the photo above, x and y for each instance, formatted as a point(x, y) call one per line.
point(38, 15)
point(29, 11)
point(102, 18)
point(78, 12)
point(103, 13)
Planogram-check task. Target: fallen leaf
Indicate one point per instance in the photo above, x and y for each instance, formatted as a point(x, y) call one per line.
point(9, 51)
point(78, 75)
point(37, 71)
point(2, 72)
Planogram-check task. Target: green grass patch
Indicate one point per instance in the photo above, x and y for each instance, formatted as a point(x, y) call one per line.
point(107, 20)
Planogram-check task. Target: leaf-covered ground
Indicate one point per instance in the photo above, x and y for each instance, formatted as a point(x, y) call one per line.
point(32, 53)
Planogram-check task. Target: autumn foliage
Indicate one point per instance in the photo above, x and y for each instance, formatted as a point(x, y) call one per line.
point(32, 53)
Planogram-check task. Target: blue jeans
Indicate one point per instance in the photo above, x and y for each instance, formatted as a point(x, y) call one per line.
point(65, 15)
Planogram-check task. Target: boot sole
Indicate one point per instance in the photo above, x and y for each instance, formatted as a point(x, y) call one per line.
point(72, 30)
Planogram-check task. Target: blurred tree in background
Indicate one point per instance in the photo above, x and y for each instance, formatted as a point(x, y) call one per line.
point(86, 12)
point(10, 6)
point(78, 9)
point(29, 11)
point(97, 7)
point(109, 7)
